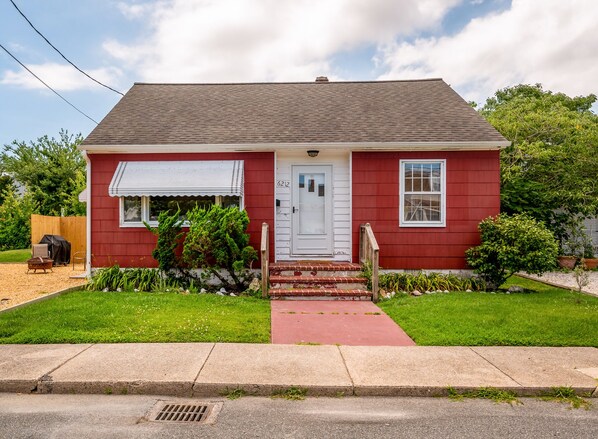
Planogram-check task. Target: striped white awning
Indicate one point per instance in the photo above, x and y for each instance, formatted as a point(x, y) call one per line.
point(170, 179)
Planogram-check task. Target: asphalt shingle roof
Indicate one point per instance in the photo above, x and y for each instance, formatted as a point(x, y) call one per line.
point(336, 112)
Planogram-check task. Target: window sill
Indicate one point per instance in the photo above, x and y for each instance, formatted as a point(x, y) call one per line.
point(422, 225)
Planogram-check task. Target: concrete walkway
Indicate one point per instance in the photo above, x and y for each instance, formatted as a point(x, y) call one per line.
point(349, 323)
point(207, 369)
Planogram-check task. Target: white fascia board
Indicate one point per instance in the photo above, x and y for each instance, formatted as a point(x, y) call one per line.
point(271, 147)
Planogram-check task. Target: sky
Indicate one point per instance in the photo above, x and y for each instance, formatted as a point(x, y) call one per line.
point(476, 46)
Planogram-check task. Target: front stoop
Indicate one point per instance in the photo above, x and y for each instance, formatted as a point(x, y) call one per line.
point(313, 280)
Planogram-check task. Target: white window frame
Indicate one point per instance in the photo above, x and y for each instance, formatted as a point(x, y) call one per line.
point(442, 222)
point(145, 212)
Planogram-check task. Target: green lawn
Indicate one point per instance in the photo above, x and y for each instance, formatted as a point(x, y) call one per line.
point(97, 317)
point(15, 255)
point(547, 316)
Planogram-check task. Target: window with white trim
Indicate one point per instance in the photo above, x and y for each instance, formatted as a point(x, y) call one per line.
point(134, 211)
point(422, 193)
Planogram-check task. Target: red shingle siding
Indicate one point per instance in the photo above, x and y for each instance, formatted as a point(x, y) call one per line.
point(473, 193)
point(132, 247)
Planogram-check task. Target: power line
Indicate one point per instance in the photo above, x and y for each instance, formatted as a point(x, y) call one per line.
point(60, 53)
point(40, 80)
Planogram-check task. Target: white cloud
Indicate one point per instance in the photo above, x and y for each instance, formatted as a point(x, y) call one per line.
point(61, 77)
point(244, 40)
point(133, 11)
point(552, 42)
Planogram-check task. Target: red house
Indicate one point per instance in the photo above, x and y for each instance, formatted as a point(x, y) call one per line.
point(312, 160)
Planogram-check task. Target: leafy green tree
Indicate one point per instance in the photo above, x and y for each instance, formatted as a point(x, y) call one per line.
point(549, 171)
point(511, 244)
point(15, 220)
point(52, 170)
point(6, 184)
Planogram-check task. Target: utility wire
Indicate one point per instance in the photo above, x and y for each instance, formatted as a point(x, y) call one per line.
point(40, 80)
point(60, 53)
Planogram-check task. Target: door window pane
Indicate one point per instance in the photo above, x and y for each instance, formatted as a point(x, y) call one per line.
point(312, 206)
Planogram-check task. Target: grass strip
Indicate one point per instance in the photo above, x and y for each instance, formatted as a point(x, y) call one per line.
point(97, 317)
point(541, 316)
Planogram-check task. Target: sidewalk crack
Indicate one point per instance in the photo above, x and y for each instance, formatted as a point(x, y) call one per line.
point(44, 383)
point(203, 365)
point(347, 369)
point(495, 366)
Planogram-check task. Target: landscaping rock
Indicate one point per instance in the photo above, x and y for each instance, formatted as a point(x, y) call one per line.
point(416, 293)
point(255, 284)
point(515, 289)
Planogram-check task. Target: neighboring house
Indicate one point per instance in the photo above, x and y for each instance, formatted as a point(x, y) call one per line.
point(313, 160)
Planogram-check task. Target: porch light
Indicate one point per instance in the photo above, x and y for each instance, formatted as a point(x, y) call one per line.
point(313, 152)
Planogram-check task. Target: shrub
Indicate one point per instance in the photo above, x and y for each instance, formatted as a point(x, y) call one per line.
point(169, 237)
point(511, 244)
point(217, 241)
point(129, 279)
point(429, 282)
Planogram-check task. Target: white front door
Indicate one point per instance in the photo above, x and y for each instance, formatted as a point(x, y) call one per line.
point(311, 210)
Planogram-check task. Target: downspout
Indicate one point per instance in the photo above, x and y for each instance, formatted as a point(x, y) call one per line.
point(88, 218)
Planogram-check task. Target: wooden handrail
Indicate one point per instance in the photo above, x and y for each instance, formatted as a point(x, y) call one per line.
point(369, 252)
point(264, 253)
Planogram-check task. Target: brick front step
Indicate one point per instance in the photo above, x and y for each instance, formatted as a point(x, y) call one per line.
point(321, 269)
point(313, 282)
point(319, 294)
point(314, 266)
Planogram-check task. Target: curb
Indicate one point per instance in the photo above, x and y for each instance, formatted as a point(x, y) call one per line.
point(554, 284)
point(188, 389)
point(45, 385)
point(42, 298)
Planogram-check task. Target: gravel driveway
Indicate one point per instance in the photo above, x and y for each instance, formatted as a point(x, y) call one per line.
point(16, 286)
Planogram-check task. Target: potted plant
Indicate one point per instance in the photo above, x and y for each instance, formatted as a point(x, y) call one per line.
point(567, 261)
point(588, 260)
point(574, 246)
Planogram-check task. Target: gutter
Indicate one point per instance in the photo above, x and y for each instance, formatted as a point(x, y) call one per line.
point(269, 147)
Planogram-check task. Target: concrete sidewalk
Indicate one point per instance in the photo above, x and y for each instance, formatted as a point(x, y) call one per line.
point(207, 369)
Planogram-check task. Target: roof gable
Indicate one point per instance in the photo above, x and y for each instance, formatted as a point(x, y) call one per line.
point(418, 111)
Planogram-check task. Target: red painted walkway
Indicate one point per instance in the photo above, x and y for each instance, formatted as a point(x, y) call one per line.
point(350, 323)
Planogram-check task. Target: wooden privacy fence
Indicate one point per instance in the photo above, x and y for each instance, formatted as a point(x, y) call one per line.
point(71, 228)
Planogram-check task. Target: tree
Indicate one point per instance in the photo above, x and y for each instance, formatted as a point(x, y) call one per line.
point(6, 184)
point(15, 220)
point(511, 244)
point(549, 171)
point(53, 172)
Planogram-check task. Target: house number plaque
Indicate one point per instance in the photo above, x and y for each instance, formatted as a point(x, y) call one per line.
point(283, 183)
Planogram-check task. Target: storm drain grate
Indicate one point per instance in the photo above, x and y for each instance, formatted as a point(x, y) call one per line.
point(179, 412)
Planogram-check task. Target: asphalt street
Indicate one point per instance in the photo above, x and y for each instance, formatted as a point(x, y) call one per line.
point(125, 416)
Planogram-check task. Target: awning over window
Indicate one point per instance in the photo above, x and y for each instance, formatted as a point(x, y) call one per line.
point(164, 179)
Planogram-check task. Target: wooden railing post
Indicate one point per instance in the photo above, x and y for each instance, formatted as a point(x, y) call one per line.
point(264, 253)
point(375, 262)
point(369, 252)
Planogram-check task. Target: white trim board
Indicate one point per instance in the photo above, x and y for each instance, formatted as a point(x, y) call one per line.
point(341, 202)
point(262, 147)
